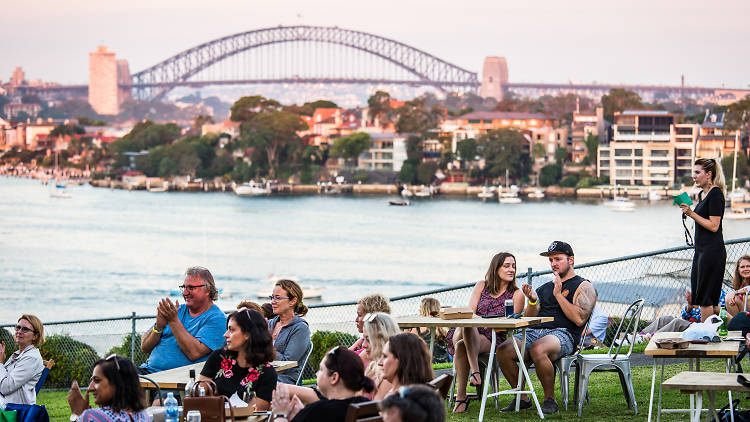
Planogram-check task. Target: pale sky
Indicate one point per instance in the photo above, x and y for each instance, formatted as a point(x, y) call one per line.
point(645, 42)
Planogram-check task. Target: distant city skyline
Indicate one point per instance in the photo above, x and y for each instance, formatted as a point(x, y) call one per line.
point(640, 42)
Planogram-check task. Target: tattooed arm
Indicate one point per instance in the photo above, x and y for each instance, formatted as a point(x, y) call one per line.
point(582, 306)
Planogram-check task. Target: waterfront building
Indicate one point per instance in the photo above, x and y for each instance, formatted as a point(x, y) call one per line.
point(586, 123)
point(387, 152)
point(714, 140)
point(227, 126)
point(684, 139)
point(38, 131)
point(12, 110)
point(105, 75)
point(535, 126)
point(641, 151)
point(12, 134)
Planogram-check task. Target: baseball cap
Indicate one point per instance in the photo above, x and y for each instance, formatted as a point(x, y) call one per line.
point(556, 247)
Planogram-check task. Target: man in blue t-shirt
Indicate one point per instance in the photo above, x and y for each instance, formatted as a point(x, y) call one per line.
point(185, 334)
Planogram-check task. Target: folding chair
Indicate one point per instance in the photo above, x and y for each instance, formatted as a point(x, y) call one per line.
point(304, 363)
point(562, 367)
point(613, 360)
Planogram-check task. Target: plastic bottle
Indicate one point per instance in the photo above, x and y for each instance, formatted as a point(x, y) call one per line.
point(723, 327)
point(171, 413)
point(189, 385)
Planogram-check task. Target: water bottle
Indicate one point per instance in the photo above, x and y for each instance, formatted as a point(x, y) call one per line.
point(189, 385)
point(171, 413)
point(723, 327)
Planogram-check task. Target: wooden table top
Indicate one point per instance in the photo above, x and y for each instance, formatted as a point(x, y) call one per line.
point(500, 323)
point(177, 378)
point(690, 382)
point(725, 349)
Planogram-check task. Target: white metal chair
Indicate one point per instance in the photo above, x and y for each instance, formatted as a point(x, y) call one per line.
point(562, 367)
point(612, 360)
point(303, 364)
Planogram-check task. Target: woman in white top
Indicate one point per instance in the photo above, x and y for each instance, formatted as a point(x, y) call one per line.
point(19, 375)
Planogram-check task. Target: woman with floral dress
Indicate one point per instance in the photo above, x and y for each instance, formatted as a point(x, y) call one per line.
point(243, 365)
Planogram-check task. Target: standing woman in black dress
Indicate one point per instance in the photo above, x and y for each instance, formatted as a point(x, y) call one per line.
point(710, 255)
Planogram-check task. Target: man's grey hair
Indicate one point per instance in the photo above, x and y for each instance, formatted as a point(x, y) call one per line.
point(207, 278)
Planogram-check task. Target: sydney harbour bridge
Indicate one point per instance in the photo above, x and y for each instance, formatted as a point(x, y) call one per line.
point(330, 55)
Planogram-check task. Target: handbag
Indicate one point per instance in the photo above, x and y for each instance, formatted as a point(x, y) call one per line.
point(211, 405)
point(29, 412)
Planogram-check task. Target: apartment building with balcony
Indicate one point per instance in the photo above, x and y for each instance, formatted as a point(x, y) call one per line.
point(387, 152)
point(586, 123)
point(685, 136)
point(641, 151)
point(714, 140)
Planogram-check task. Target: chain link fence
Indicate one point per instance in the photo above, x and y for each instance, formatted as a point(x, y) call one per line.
point(660, 277)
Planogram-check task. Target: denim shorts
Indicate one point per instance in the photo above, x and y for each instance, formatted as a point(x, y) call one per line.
point(566, 340)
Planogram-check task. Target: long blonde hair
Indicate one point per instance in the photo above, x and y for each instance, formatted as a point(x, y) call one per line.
point(717, 174)
point(379, 327)
point(429, 306)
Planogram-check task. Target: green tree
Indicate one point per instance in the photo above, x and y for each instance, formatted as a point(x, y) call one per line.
point(244, 109)
point(379, 104)
point(271, 131)
point(620, 99)
point(550, 175)
point(501, 150)
point(145, 135)
point(738, 115)
point(743, 169)
point(350, 147)
point(561, 156)
point(408, 172)
point(592, 147)
point(416, 117)
point(467, 149)
point(425, 172)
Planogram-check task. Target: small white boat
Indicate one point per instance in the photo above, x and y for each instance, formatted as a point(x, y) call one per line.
point(536, 194)
point(509, 198)
point(620, 203)
point(738, 195)
point(654, 195)
point(60, 191)
point(406, 193)
point(251, 188)
point(309, 292)
point(423, 192)
point(163, 188)
point(487, 192)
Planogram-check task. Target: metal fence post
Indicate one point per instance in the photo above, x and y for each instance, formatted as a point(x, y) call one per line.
point(132, 339)
point(528, 276)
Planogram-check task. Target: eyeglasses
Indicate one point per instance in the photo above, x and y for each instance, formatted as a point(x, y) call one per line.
point(190, 288)
point(24, 329)
point(244, 309)
point(370, 317)
point(113, 356)
point(277, 298)
point(403, 392)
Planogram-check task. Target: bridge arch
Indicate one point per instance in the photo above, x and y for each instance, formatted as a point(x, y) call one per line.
point(425, 68)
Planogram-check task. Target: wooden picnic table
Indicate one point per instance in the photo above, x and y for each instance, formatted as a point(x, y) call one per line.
point(695, 383)
point(177, 378)
point(726, 349)
point(510, 325)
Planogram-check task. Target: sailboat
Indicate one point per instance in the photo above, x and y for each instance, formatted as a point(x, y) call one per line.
point(510, 196)
point(60, 190)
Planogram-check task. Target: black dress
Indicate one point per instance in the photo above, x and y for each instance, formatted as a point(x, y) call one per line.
point(710, 255)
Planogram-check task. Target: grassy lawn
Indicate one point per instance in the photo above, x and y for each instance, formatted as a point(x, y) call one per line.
point(607, 401)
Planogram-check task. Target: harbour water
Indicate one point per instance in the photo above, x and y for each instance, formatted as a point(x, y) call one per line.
point(111, 252)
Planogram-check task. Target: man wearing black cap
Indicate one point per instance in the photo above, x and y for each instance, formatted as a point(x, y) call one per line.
point(570, 299)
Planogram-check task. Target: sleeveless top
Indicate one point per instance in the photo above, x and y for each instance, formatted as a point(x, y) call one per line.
point(550, 307)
